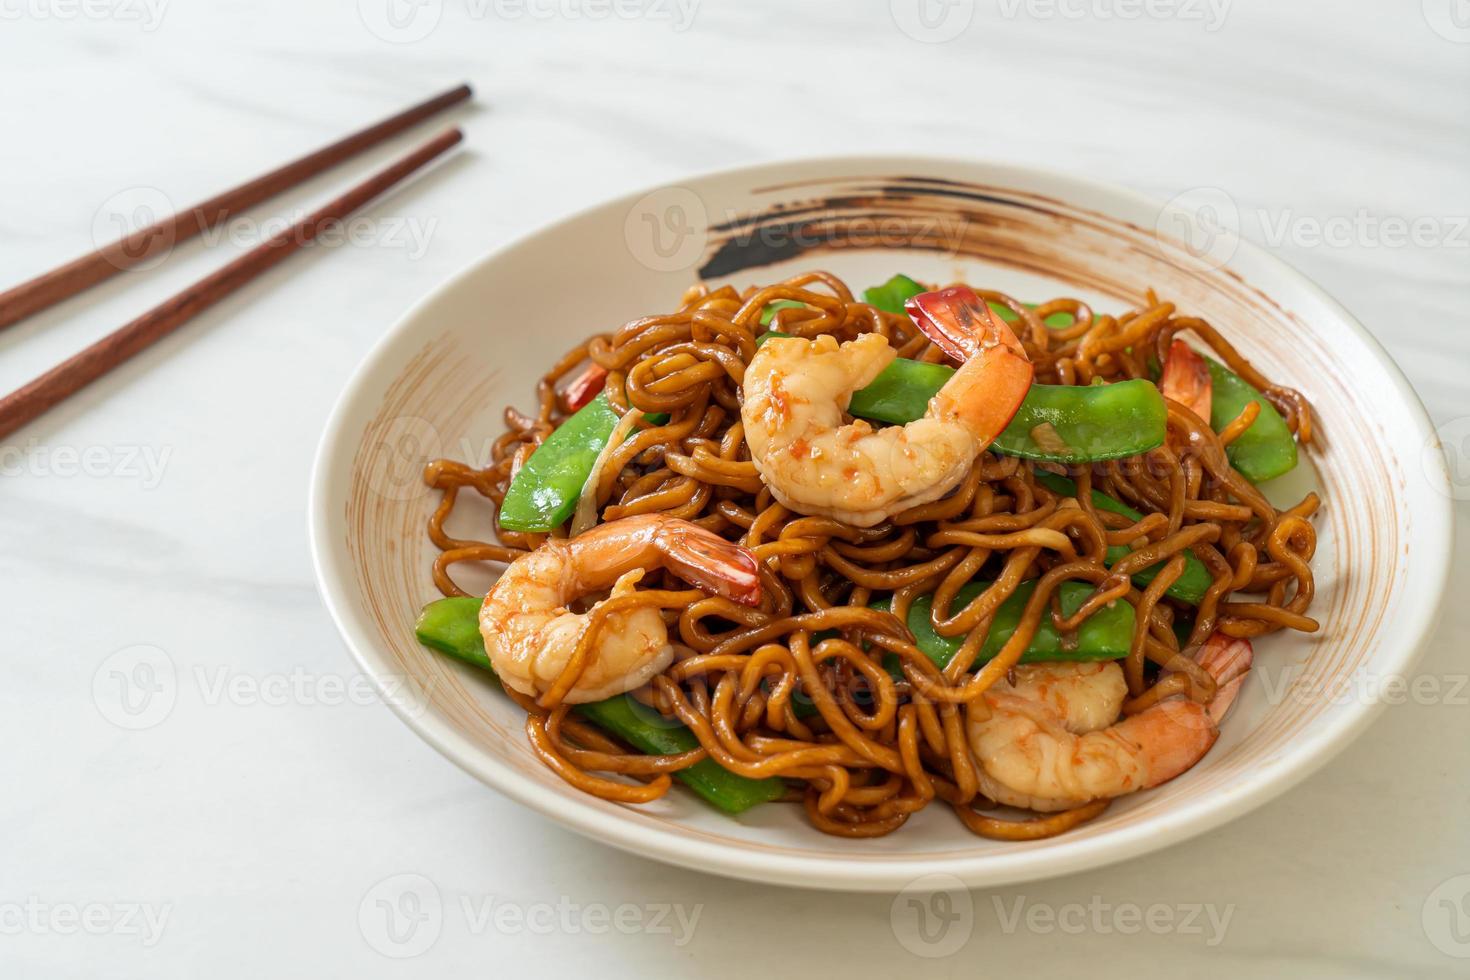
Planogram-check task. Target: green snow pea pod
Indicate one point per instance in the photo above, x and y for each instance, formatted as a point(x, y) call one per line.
point(1056, 423)
point(890, 296)
point(1190, 587)
point(1266, 449)
point(452, 626)
point(1086, 423)
point(1105, 635)
point(545, 490)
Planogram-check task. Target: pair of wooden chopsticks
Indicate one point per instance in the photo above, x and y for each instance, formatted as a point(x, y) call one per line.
point(24, 404)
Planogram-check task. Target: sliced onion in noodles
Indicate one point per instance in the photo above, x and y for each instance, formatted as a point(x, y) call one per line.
point(585, 515)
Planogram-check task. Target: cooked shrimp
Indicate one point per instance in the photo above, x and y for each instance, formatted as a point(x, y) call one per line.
point(1186, 379)
point(530, 635)
point(1052, 739)
point(795, 394)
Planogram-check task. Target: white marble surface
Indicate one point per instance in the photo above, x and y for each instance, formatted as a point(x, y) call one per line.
point(165, 506)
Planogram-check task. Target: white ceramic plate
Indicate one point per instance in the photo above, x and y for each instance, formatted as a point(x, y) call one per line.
point(438, 381)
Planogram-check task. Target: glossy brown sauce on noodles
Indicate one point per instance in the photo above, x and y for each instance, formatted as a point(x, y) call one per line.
point(877, 749)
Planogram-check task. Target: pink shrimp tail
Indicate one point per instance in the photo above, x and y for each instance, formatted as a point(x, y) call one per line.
point(707, 560)
point(1186, 379)
point(1228, 659)
point(960, 324)
point(1175, 734)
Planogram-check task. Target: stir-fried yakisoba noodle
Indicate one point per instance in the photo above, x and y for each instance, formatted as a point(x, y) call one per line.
point(786, 596)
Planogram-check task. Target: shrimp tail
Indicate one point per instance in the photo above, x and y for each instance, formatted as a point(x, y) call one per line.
point(1186, 379)
point(1185, 730)
point(995, 372)
point(705, 559)
point(1228, 659)
point(960, 324)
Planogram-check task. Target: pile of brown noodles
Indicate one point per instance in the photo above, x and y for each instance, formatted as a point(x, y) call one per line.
point(881, 749)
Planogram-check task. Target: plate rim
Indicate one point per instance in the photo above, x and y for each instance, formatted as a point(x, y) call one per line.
point(1319, 743)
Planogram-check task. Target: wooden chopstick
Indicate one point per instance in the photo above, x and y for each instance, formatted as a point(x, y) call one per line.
point(24, 404)
point(62, 283)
